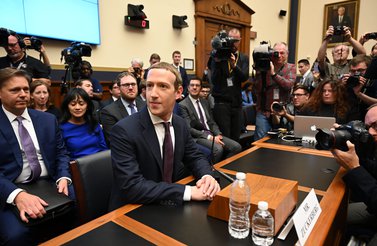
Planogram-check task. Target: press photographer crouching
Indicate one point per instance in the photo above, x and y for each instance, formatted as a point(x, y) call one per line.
point(229, 68)
point(361, 86)
point(15, 47)
point(361, 176)
point(282, 115)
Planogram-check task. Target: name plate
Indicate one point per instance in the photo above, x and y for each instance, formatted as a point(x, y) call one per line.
point(306, 216)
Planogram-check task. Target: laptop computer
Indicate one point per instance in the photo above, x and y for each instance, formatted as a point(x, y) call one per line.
point(305, 126)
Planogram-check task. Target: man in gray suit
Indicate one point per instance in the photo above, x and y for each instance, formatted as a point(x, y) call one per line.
point(203, 128)
point(128, 103)
point(306, 76)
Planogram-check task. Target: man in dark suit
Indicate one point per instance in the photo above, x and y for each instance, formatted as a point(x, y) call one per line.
point(203, 128)
point(127, 104)
point(32, 147)
point(227, 77)
point(152, 148)
point(176, 63)
point(115, 94)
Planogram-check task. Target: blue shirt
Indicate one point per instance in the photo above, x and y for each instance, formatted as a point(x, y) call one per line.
point(80, 142)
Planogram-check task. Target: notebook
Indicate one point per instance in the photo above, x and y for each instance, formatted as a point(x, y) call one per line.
point(305, 126)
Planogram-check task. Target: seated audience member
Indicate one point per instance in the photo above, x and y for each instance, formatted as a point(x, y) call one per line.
point(127, 104)
point(115, 94)
point(248, 96)
point(137, 70)
point(81, 132)
point(361, 178)
point(86, 72)
point(340, 54)
point(285, 118)
point(143, 92)
point(32, 148)
point(87, 86)
point(154, 58)
point(17, 58)
point(197, 111)
point(152, 148)
point(362, 92)
point(329, 100)
point(40, 98)
point(306, 76)
point(205, 93)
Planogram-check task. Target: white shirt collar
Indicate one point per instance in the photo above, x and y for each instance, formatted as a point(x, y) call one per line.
point(12, 117)
point(157, 120)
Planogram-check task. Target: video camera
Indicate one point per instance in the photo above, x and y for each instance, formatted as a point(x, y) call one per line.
point(371, 35)
point(223, 45)
point(35, 44)
point(73, 54)
point(355, 131)
point(262, 56)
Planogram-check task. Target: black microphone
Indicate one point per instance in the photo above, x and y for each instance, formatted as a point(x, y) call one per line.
point(199, 126)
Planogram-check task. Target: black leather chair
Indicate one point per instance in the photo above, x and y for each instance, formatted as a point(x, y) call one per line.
point(92, 178)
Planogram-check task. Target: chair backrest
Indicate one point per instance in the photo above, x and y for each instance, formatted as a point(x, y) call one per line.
point(249, 115)
point(92, 179)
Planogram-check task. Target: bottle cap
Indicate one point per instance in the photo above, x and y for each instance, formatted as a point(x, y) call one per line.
point(262, 205)
point(241, 176)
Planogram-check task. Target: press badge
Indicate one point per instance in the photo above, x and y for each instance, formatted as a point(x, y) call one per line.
point(276, 94)
point(229, 81)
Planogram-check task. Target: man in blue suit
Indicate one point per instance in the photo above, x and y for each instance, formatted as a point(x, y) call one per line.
point(49, 152)
point(138, 149)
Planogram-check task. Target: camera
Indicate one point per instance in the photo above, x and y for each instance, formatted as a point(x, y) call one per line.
point(223, 45)
point(262, 56)
point(277, 106)
point(74, 53)
point(338, 31)
point(35, 44)
point(372, 35)
point(354, 131)
point(353, 80)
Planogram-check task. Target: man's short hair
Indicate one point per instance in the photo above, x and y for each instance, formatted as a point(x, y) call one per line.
point(137, 61)
point(301, 87)
point(8, 73)
point(79, 82)
point(155, 56)
point(205, 84)
point(175, 52)
point(124, 74)
point(235, 30)
point(359, 59)
point(304, 61)
point(111, 86)
point(170, 68)
point(281, 43)
point(197, 78)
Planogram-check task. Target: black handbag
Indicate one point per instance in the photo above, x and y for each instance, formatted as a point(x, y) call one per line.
point(58, 203)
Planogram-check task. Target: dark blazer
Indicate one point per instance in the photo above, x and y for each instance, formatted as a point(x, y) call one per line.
point(113, 113)
point(106, 102)
point(188, 111)
point(137, 162)
point(52, 147)
point(185, 80)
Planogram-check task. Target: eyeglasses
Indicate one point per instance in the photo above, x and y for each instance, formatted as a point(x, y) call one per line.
point(373, 126)
point(128, 85)
point(298, 95)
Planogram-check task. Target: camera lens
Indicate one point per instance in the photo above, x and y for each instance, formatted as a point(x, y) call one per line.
point(277, 107)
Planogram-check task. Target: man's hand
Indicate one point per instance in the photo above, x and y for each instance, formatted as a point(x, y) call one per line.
point(347, 33)
point(232, 60)
point(357, 89)
point(205, 189)
point(347, 159)
point(329, 32)
point(31, 205)
point(272, 68)
point(63, 186)
point(218, 140)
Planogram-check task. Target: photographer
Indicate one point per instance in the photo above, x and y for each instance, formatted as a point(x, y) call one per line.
point(276, 86)
point(284, 116)
point(340, 53)
point(137, 70)
point(365, 38)
point(362, 92)
point(361, 178)
point(17, 58)
point(227, 74)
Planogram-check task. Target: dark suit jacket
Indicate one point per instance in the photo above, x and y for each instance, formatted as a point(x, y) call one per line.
point(113, 113)
point(185, 80)
point(137, 162)
point(188, 111)
point(106, 102)
point(52, 147)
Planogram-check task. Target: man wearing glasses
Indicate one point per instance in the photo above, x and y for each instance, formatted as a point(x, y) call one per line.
point(128, 103)
point(285, 117)
point(361, 178)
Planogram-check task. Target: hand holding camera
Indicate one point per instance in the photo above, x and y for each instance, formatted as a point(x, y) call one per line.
point(278, 108)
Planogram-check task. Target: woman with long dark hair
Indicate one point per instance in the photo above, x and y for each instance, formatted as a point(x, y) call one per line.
point(81, 131)
point(329, 100)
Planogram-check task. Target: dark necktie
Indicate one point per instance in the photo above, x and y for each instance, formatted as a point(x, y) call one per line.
point(132, 107)
point(201, 116)
point(30, 152)
point(168, 157)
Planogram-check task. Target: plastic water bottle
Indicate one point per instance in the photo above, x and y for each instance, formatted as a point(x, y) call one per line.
point(262, 225)
point(239, 205)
